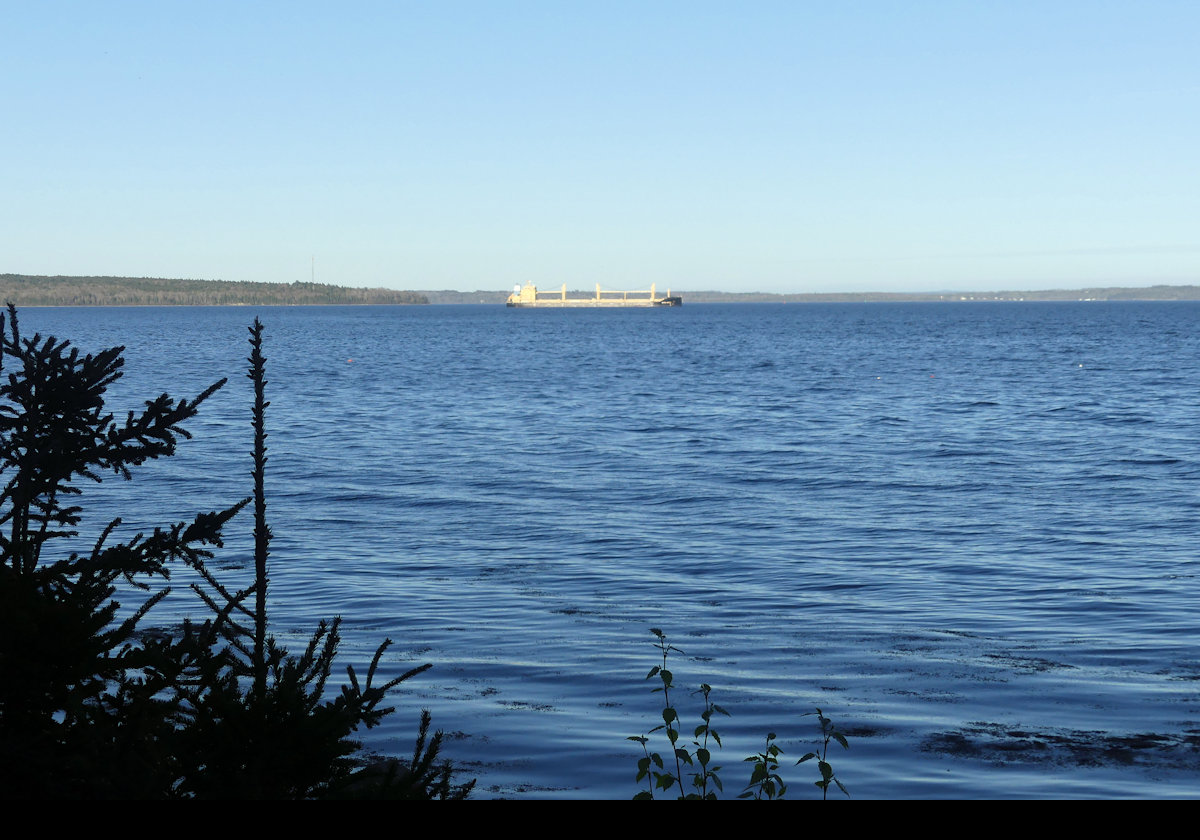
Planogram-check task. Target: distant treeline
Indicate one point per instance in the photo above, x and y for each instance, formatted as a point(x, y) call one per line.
point(26, 290)
point(1106, 293)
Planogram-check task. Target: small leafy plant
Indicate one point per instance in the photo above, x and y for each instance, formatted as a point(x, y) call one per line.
point(706, 773)
point(765, 780)
point(829, 733)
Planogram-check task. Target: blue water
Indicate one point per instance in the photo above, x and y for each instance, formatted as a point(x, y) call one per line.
point(966, 531)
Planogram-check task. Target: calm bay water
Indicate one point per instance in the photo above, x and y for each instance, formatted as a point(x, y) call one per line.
point(965, 531)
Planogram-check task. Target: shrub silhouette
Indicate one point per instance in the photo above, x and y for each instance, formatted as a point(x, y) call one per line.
point(93, 707)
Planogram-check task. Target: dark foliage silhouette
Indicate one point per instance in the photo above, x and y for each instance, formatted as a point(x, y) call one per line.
point(92, 706)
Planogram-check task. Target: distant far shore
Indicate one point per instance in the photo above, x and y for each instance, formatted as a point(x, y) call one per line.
point(28, 290)
point(32, 290)
point(1106, 293)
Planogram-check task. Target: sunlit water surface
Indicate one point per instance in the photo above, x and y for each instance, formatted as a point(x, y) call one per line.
point(967, 532)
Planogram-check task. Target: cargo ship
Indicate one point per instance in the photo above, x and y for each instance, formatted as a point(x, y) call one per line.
point(529, 296)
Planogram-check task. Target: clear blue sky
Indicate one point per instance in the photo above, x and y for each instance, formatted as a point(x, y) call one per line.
point(772, 146)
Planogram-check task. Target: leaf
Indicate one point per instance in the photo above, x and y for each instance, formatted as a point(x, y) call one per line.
point(645, 794)
point(807, 756)
point(683, 755)
point(669, 715)
point(826, 771)
point(760, 773)
point(703, 756)
point(653, 671)
point(841, 739)
point(643, 766)
point(641, 739)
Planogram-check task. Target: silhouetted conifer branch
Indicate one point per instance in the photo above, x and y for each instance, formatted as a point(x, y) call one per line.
point(262, 533)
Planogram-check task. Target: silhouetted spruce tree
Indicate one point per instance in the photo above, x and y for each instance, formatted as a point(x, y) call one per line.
point(86, 705)
point(90, 707)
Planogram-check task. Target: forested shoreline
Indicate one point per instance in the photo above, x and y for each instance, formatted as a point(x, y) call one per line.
point(27, 290)
point(1182, 292)
point(30, 290)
